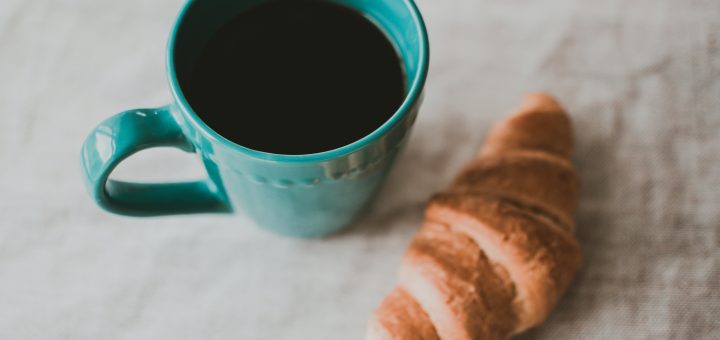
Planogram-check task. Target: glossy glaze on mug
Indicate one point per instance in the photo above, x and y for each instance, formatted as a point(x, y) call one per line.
point(298, 195)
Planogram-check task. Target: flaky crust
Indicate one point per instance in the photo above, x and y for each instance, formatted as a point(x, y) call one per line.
point(401, 317)
point(496, 251)
point(541, 258)
point(540, 123)
point(532, 178)
point(453, 280)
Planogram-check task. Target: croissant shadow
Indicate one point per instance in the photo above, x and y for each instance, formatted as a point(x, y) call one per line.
point(595, 163)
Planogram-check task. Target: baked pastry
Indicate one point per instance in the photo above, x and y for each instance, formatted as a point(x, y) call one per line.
point(497, 249)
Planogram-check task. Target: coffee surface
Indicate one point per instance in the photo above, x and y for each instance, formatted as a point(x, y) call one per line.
point(296, 77)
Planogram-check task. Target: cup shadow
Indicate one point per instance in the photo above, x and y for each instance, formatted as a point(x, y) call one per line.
point(425, 167)
point(394, 206)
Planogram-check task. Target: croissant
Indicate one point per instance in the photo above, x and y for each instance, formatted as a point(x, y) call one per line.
point(497, 249)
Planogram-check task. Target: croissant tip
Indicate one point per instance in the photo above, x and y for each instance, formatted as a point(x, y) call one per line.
point(539, 101)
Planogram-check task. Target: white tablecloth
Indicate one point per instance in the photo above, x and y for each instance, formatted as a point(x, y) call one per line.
point(640, 77)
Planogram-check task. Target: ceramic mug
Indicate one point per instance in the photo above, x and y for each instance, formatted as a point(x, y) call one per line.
point(307, 195)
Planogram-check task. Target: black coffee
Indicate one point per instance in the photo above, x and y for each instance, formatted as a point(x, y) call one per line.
point(296, 77)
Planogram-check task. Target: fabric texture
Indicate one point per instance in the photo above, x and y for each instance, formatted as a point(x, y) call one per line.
point(640, 78)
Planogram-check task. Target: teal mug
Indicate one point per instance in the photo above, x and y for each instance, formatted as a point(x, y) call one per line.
point(307, 195)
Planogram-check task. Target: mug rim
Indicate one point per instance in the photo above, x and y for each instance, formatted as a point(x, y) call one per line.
point(416, 88)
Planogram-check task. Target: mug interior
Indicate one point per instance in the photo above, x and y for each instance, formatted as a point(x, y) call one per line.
point(399, 20)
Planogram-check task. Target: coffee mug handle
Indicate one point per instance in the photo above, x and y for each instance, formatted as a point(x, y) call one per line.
point(121, 136)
